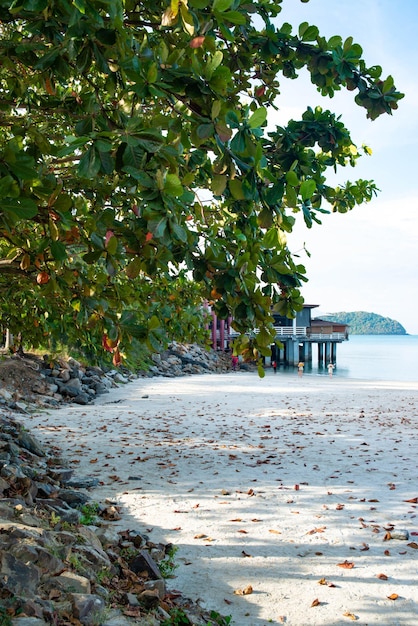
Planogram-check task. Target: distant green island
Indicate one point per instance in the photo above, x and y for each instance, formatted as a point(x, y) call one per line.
point(364, 323)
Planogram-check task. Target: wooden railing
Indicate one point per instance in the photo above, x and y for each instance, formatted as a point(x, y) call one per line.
point(299, 331)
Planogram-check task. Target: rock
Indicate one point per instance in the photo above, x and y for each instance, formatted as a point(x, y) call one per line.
point(29, 621)
point(143, 562)
point(29, 442)
point(6, 395)
point(119, 378)
point(16, 577)
point(149, 599)
point(156, 585)
point(82, 482)
point(132, 599)
point(61, 474)
point(70, 581)
point(72, 497)
point(82, 398)
point(87, 607)
point(402, 535)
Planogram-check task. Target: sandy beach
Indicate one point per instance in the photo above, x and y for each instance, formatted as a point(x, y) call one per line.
point(291, 500)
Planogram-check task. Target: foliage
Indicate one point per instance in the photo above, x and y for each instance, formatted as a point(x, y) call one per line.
point(179, 618)
point(135, 153)
point(363, 323)
point(89, 513)
point(5, 619)
point(167, 565)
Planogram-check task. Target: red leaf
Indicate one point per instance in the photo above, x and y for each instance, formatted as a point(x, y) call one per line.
point(197, 42)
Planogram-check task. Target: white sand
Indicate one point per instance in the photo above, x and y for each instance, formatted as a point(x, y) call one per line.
point(270, 483)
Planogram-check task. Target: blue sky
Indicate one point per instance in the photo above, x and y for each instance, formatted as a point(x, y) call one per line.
point(367, 259)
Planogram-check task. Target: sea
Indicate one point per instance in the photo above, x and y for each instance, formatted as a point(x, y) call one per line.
point(374, 357)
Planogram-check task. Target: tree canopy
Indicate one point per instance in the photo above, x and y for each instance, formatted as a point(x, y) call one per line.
point(140, 172)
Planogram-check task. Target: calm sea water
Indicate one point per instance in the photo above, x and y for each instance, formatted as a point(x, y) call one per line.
point(375, 357)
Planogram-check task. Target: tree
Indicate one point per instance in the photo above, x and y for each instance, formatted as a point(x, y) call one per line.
point(134, 148)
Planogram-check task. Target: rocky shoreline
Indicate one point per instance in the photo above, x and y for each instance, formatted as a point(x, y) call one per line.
point(61, 561)
point(51, 382)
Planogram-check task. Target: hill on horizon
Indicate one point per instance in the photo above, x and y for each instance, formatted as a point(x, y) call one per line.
point(365, 323)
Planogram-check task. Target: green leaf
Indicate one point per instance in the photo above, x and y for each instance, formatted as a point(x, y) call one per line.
point(270, 239)
point(235, 187)
point(292, 179)
point(260, 370)
point(154, 323)
point(58, 250)
point(258, 118)
point(150, 140)
point(172, 185)
point(24, 208)
point(9, 187)
point(222, 5)
point(24, 168)
point(134, 267)
point(205, 130)
point(235, 17)
point(89, 165)
point(158, 227)
point(307, 189)
point(218, 184)
point(112, 245)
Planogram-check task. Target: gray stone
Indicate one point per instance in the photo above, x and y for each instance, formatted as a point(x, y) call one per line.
point(83, 482)
point(132, 599)
point(119, 378)
point(62, 474)
point(29, 621)
point(38, 556)
point(17, 577)
point(143, 562)
point(71, 496)
point(12, 471)
point(71, 582)
point(82, 398)
point(115, 618)
point(4, 393)
point(107, 536)
point(94, 559)
point(158, 585)
point(29, 442)
point(87, 608)
point(402, 535)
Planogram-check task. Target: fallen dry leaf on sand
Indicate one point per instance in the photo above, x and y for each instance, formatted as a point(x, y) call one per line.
point(413, 545)
point(316, 602)
point(346, 565)
point(321, 529)
point(382, 576)
point(244, 592)
point(350, 615)
point(393, 596)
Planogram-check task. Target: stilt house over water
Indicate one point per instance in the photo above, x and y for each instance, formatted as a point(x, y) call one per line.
point(297, 336)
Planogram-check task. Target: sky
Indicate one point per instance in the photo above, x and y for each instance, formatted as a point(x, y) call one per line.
point(367, 259)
